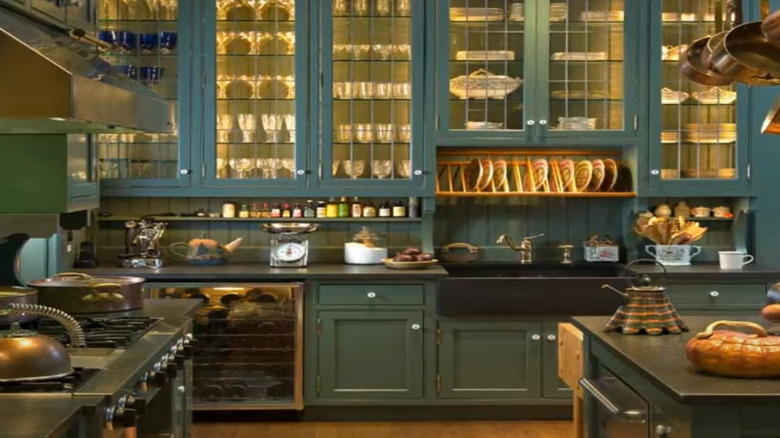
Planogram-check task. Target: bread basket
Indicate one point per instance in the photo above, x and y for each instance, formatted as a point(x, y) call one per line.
point(482, 84)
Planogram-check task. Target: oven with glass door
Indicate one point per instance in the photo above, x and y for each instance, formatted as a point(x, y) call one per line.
point(614, 409)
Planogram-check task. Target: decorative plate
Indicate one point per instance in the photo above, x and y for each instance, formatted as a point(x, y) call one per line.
point(598, 175)
point(610, 174)
point(487, 174)
point(499, 176)
point(482, 84)
point(473, 175)
point(567, 175)
point(583, 172)
point(390, 263)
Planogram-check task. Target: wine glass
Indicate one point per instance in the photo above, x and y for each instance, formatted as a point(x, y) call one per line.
point(289, 123)
point(335, 167)
point(405, 133)
point(248, 125)
point(244, 167)
point(224, 127)
point(385, 132)
point(404, 168)
point(272, 125)
point(381, 168)
point(354, 168)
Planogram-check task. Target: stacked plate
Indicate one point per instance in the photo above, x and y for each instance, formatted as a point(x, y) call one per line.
point(715, 96)
point(601, 16)
point(577, 123)
point(671, 97)
point(579, 56)
point(559, 11)
point(485, 55)
point(517, 12)
point(710, 132)
point(670, 137)
point(476, 14)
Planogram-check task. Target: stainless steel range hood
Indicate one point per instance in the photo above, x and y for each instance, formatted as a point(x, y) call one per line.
point(52, 83)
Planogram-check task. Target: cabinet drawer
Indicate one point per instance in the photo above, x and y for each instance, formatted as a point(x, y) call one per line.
point(371, 294)
point(706, 295)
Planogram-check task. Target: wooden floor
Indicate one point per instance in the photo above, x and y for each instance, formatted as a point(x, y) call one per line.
point(455, 429)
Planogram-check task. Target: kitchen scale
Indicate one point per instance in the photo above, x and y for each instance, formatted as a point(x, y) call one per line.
point(289, 243)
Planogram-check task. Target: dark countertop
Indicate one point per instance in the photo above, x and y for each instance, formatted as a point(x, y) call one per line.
point(661, 359)
point(40, 417)
point(261, 271)
point(712, 272)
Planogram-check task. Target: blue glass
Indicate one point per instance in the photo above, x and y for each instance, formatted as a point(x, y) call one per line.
point(128, 70)
point(151, 73)
point(109, 36)
point(168, 41)
point(127, 40)
point(147, 41)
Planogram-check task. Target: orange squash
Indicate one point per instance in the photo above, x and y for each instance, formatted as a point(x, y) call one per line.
point(735, 354)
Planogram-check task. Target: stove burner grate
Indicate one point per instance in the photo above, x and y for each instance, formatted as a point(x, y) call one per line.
point(64, 384)
point(102, 332)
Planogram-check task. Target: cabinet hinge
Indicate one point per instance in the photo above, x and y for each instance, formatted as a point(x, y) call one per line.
point(319, 329)
point(438, 383)
point(636, 123)
point(747, 171)
point(318, 384)
point(438, 336)
point(203, 81)
point(322, 80)
point(203, 171)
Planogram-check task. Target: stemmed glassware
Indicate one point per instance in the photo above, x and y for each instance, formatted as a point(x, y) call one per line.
point(289, 123)
point(354, 168)
point(381, 168)
point(385, 132)
point(404, 168)
point(248, 125)
point(244, 167)
point(335, 166)
point(272, 125)
point(224, 127)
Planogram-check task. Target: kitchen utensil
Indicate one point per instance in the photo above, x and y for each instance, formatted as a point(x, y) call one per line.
point(203, 251)
point(770, 27)
point(735, 354)
point(74, 292)
point(733, 260)
point(692, 65)
point(747, 56)
point(16, 294)
point(390, 263)
point(366, 248)
point(289, 243)
point(647, 307)
point(459, 252)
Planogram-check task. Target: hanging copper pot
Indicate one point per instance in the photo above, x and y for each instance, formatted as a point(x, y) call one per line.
point(692, 65)
point(770, 27)
point(746, 55)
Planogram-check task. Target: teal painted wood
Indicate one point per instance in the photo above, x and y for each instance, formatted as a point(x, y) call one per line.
point(189, 111)
point(489, 360)
point(552, 385)
point(353, 365)
point(653, 185)
point(207, 89)
point(325, 101)
point(82, 159)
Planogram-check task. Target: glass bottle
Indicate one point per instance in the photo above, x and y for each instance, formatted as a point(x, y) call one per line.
point(309, 210)
point(322, 209)
point(356, 208)
point(297, 211)
point(414, 207)
point(399, 209)
point(255, 212)
point(369, 210)
point(287, 212)
point(332, 209)
point(385, 210)
point(243, 212)
point(343, 207)
point(276, 210)
point(265, 211)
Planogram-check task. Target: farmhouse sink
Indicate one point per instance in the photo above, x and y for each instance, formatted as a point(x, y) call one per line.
point(514, 289)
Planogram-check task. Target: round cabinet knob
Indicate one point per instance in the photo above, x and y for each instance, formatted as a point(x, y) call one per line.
point(530, 123)
point(415, 326)
point(418, 172)
point(550, 337)
point(536, 337)
point(181, 389)
point(655, 172)
point(184, 171)
point(300, 172)
point(542, 122)
point(714, 294)
point(371, 294)
point(663, 430)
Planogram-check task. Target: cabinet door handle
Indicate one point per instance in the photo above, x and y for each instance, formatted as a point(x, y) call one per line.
point(184, 171)
point(714, 294)
point(530, 122)
point(371, 294)
point(550, 337)
point(415, 326)
point(542, 122)
point(536, 337)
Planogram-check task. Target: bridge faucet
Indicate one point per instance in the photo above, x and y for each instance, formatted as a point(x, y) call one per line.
point(525, 248)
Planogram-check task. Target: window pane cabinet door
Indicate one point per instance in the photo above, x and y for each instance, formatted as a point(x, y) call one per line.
point(255, 109)
point(586, 66)
point(152, 46)
point(489, 69)
point(372, 59)
point(698, 133)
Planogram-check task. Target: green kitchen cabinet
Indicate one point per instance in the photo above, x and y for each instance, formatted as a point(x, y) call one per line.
point(552, 385)
point(48, 173)
point(365, 355)
point(699, 136)
point(578, 63)
point(489, 360)
point(720, 297)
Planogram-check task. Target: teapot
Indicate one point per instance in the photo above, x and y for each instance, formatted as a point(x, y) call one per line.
point(646, 307)
point(203, 251)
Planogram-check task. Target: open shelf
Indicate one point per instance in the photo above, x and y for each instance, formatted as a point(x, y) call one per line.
point(258, 219)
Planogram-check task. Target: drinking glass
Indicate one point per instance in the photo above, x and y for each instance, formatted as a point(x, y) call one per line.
point(340, 7)
point(344, 134)
point(403, 7)
point(405, 133)
point(248, 125)
point(383, 7)
point(385, 132)
point(244, 167)
point(381, 168)
point(272, 125)
point(360, 52)
point(402, 51)
point(364, 132)
point(404, 168)
point(365, 90)
point(360, 7)
point(402, 90)
point(354, 168)
point(383, 90)
point(335, 167)
point(289, 124)
point(382, 52)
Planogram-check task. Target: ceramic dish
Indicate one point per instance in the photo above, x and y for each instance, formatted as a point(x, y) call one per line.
point(598, 175)
point(485, 55)
point(487, 174)
point(671, 97)
point(579, 56)
point(567, 175)
point(500, 183)
point(715, 96)
point(610, 174)
point(390, 263)
point(472, 175)
point(482, 84)
point(583, 172)
point(482, 126)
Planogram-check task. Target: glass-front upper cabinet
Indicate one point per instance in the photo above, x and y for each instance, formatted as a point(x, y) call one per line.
point(152, 47)
point(257, 133)
point(523, 71)
point(695, 138)
point(372, 61)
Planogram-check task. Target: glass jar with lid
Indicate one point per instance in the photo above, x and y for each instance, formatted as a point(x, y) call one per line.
point(365, 247)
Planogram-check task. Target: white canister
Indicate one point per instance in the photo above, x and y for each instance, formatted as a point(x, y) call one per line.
point(356, 253)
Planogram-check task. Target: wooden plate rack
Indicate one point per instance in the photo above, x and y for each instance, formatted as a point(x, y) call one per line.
point(510, 173)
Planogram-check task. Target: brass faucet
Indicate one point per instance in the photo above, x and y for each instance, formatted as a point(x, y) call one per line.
point(525, 248)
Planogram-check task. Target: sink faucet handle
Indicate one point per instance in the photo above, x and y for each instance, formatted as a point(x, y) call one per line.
point(533, 237)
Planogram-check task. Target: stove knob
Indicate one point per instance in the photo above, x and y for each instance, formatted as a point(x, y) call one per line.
point(179, 360)
point(124, 418)
point(156, 377)
point(136, 403)
point(171, 370)
point(186, 351)
point(188, 337)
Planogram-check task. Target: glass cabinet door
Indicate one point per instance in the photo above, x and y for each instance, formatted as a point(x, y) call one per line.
point(152, 47)
point(82, 180)
point(256, 133)
point(489, 68)
point(585, 68)
point(372, 58)
point(697, 140)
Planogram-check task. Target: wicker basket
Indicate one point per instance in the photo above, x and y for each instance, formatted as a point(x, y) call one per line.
point(482, 84)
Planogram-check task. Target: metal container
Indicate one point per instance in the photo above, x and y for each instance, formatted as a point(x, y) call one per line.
point(26, 355)
point(77, 293)
point(16, 294)
point(745, 55)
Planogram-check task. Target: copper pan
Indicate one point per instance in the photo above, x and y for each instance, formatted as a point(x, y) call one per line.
point(692, 66)
point(770, 27)
point(745, 55)
point(732, 8)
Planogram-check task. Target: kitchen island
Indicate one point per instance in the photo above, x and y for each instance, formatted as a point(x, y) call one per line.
point(655, 391)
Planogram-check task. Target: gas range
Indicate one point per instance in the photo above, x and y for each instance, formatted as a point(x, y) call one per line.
point(102, 332)
point(61, 385)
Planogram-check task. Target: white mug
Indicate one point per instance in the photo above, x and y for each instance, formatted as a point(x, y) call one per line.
point(733, 260)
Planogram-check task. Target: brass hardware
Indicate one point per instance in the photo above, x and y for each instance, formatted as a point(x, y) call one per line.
point(318, 384)
point(566, 260)
point(438, 383)
point(636, 123)
point(438, 336)
point(525, 248)
point(319, 326)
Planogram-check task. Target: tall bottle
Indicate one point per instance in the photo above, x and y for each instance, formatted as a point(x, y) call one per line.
point(265, 211)
point(322, 209)
point(332, 209)
point(356, 209)
point(343, 207)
